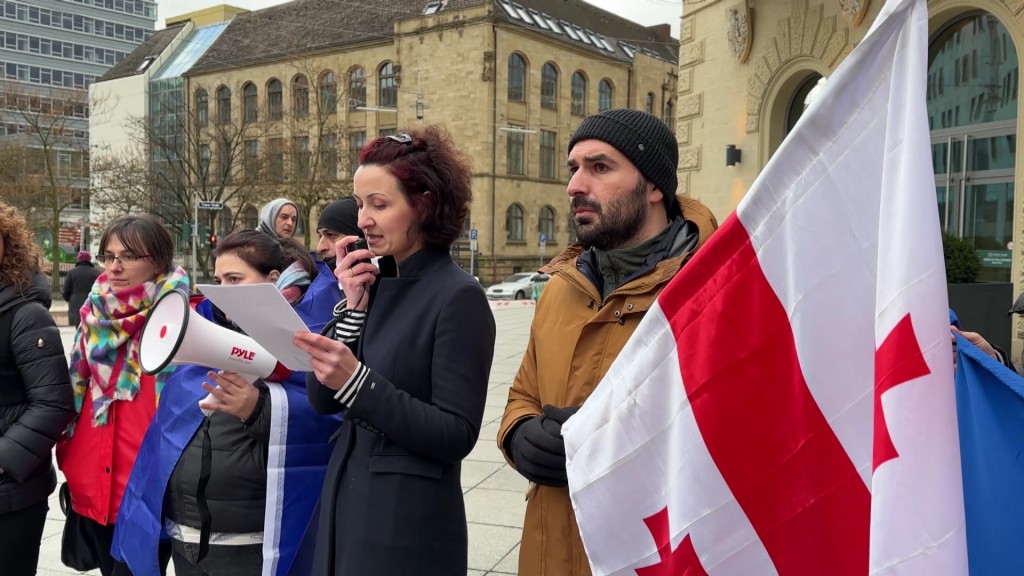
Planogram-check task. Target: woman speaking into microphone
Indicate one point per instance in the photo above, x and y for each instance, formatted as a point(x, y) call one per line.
point(407, 360)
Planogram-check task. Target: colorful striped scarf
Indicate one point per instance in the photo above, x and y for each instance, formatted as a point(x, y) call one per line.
point(105, 358)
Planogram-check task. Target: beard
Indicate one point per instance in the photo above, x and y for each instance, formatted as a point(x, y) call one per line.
point(331, 261)
point(614, 225)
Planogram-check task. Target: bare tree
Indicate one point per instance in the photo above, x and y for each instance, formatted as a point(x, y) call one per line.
point(320, 167)
point(121, 185)
point(200, 150)
point(52, 165)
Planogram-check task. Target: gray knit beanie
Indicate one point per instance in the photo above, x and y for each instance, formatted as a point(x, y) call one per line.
point(642, 138)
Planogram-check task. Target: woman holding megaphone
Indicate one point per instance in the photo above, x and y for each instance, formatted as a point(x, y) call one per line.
point(211, 467)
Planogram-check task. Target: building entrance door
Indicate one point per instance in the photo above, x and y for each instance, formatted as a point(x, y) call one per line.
point(974, 188)
point(972, 112)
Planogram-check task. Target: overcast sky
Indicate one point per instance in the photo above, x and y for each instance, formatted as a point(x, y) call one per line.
point(645, 12)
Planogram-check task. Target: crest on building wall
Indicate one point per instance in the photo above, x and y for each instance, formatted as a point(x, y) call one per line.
point(739, 31)
point(854, 10)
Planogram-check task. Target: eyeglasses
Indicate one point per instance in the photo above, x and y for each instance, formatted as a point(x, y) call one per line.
point(401, 138)
point(124, 259)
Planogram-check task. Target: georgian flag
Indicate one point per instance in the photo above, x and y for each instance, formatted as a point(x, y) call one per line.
point(788, 406)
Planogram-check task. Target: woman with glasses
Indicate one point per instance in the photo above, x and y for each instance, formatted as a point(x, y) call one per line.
point(217, 474)
point(407, 360)
point(115, 401)
point(35, 398)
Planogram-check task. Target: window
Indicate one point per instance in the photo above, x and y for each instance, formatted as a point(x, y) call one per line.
point(300, 148)
point(275, 159)
point(649, 106)
point(514, 223)
point(605, 94)
point(249, 103)
point(579, 94)
point(516, 138)
point(548, 167)
point(384, 132)
point(224, 161)
point(252, 157)
point(356, 141)
point(549, 86)
point(670, 113)
point(202, 109)
point(250, 217)
point(224, 221)
point(223, 105)
point(300, 96)
point(275, 100)
point(204, 162)
point(516, 78)
point(328, 150)
point(328, 93)
point(546, 223)
point(387, 90)
point(357, 87)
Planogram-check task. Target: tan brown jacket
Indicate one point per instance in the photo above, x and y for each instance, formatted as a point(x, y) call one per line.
point(574, 339)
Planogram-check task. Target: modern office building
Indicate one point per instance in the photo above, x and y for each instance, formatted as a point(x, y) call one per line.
point(51, 51)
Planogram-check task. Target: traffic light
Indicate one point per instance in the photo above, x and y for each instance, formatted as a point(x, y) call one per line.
point(211, 241)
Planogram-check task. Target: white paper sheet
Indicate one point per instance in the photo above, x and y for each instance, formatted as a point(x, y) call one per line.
point(265, 316)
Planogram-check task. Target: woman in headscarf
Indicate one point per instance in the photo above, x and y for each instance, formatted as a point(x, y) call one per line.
point(279, 218)
point(35, 398)
point(114, 399)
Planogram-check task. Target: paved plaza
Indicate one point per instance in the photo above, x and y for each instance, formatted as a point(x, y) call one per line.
point(494, 492)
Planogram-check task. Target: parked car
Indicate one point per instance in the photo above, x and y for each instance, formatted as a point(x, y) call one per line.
point(518, 286)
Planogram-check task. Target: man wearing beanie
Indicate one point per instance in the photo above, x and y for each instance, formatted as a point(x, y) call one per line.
point(279, 218)
point(338, 219)
point(634, 235)
point(77, 285)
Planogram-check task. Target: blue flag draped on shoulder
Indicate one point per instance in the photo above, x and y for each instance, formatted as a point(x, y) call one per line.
point(296, 463)
point(990, 410)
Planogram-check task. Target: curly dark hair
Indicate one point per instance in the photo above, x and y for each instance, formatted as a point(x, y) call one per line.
point(425, 160)
point(20, 254)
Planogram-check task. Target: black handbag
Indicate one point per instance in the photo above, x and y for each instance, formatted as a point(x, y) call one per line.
point(77, 544)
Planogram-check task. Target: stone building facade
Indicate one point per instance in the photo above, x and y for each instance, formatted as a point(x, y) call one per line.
point(509, 81)
point(748, 69)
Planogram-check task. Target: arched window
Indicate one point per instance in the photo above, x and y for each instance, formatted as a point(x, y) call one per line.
point(223, 105)
point(387, 88)
point(224, 221)
point(516, 78)
point(202, 108)
point(605, 95)
point(546, 223)
point(275, 100)
point(549, 86)
point(802, 98)
point(649, 105)
point(300, 96)
point(328, 92)
point(670, 114)
point(579, 94)
point(250, 217)
point(514, 223)
point(357, 87)
point(249, 102)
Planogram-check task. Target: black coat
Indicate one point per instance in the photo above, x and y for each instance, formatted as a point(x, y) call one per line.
point(77, 286)
point(392, 499)
point(35, 395)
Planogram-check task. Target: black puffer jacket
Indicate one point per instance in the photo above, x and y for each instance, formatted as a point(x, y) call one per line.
point(36, 401)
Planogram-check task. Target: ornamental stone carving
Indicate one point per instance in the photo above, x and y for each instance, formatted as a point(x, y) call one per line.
point(739, 31)
point(854, 11)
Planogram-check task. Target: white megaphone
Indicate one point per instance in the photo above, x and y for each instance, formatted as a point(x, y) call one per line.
point(163, 342)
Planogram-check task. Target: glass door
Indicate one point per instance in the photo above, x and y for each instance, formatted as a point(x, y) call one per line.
point(974, 191)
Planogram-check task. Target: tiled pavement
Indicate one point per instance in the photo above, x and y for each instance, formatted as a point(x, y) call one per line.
point(494, 492)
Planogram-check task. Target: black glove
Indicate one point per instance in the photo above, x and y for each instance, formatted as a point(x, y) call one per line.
point(538, 449)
